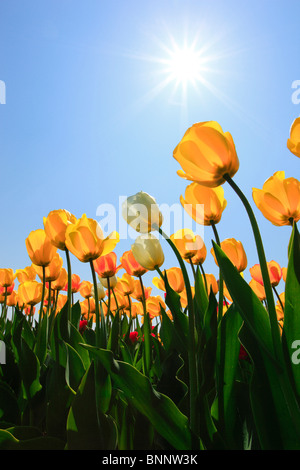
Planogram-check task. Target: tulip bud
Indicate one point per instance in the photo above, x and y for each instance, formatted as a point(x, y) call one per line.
point(142, 213)
point(148, 252)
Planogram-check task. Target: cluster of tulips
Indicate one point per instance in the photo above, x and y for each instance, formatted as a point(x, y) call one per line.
point(187, 376)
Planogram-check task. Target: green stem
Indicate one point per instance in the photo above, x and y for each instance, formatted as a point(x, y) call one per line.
point(146, 328)
point(69, 285)
point(192, 357)
point(204, 277)
point(220, 311)
point(43, 295)
point(264, 270)
point(96, 304)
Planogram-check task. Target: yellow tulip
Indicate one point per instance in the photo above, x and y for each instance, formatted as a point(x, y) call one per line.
point(293, 143)
point(234, 250)
point(142, 213)
point(148, 252)
point(39, 248)
point(175, 280)
point(7, 277)
point(55, 225)
point(279, 199)
point(29, 293)
point(205, 205)
point(61, 281)
point(26, 274)
point(85, 289)
point(185, 242)
point(86, 241)
point(52, 271)
point(206, 154)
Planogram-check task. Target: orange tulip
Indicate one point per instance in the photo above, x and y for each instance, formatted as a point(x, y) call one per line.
point(55, 225)
point(7, 277)
point(30, 293)
point(12, 299)
point(131, 266)
point(26, 274)
point(7, 289)
point(293, 143)
point(234, 250)
point(185, 242)
point(175, 280)
point(61, 301)
point(85, 289)
point(258, 289)
point(125, 284)
point(211, 283)
point(201, 253)
point(61, 281)
point(274, 269)
point(280, 307)
point(39, 248)
point(206, 154)
point(86, 241)
point(204, 205)
point(52, 271)
point(153, 306)
point(279, 199)
point(88, 306)
point(138, 293)
point(105, 266)
point(75, 284)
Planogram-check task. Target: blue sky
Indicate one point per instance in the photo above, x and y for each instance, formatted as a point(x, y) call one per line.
point(84, 122)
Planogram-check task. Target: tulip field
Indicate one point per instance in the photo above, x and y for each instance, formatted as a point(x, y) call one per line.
point(210, 364)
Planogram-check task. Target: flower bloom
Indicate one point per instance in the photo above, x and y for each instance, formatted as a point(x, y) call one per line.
point(138, 293)
point(154, 304)
point(206, 154)
point(75, 282)
point(175, 280)
point(112, 281)
point(205, 205)
point(130, 264)
point(55, 225)
point(61, 301)
point(275, 273)
point(100, 291)
point(279, 199)
point(12, 299)
point(142, 213)
point(234, 250)
point(293, 143)
point(26, 274)
point(105, 266)
point(133, 336)
point(258, 289)
point(61, 281)
point(82, 325)
point(85, 289)
point(86, 241)
point(39, 248)
point(125, 284)
point(186, 242)
point(30, 293)
point(7, 277)
point(53, 269)
point(148, 252)
point(200, 256)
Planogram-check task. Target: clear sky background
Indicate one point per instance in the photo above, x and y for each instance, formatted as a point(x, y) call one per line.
point(87, 118)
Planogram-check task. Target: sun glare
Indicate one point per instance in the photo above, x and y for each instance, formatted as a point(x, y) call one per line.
point(184, 65)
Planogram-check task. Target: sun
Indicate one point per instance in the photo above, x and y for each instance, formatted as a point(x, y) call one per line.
point(184, 65)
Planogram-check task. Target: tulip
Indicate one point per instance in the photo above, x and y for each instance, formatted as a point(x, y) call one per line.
point(131, 266)
point(154, 305)
point(55, 225)
point(200, 256)
point(279, 199)
point(39, 247)
point(61, 301)
point(205, 205)
point(85, 289)
point(75, 284)
point(206, 154)
point(7, 277)
point(125, 284)
point(293, 143)
point(258, 289)
point(275, 273)
point(175, 280)
point(185, 242)
point(52, 271)
point(26, 274)
point(110, 282)
point(142, 213)
point(61, 281)
point(139, 292)
point(148, 252)
point(30, 293)
point(105, 266)
point(85, 240)
point(100, 291)
point(12, 299)
point(234, 250)
point(133, 336)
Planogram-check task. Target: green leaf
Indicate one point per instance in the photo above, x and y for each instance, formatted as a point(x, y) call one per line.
point(9, 442)
point(158, 408)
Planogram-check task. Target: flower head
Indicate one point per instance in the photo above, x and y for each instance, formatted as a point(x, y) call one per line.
point(142, 213)
point(55, 225)
point(293, 143)
point(205, 205)
point(148, 252)
point(279, 199)
point(39, 247)
point(234, 250)
point(206, 154)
